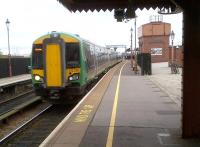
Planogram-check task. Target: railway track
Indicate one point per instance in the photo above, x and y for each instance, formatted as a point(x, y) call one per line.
point(7, 138)
point(16, 104)
point(15, 97)
point(38, 128)
point(33, 132)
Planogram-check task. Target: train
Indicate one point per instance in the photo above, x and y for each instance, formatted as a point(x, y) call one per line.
point(64, 64)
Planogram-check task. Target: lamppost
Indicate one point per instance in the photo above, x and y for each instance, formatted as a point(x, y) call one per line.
point(172, 35)
point(9, 56)
point(135, 34)
point(131, 48)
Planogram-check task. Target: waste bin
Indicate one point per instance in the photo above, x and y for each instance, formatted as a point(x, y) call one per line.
point(144, 61)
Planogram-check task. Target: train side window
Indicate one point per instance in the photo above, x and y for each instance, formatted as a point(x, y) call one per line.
point(72, 55)
point(37, 56)
point(89, 52)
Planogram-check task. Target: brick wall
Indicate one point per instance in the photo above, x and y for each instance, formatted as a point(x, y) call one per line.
point(178, 55)
point(150, 42)
point(153, 37)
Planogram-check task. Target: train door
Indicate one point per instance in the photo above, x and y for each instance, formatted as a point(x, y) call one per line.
point(54, 63)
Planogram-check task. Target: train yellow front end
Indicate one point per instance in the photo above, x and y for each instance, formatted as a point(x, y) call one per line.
point(56, 66)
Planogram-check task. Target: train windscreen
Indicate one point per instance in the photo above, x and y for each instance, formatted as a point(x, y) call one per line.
point(37, 56)
point(72, 55)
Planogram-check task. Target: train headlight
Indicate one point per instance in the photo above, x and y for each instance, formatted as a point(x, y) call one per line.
point(37, 78)
point(70, 78)
point(74, 77)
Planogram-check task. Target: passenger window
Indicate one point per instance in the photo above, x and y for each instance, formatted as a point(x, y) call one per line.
point(37, 56)
point(72, 55)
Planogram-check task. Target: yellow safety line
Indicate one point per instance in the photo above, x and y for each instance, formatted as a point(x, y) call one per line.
point(114, 111)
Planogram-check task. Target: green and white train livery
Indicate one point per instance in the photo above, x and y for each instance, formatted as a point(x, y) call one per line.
point(63, 65)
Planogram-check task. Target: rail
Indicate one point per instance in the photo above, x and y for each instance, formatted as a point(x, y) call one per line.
point(12, 106)
point(6, 138)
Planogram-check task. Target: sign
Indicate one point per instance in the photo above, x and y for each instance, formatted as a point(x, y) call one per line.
point(156, 51)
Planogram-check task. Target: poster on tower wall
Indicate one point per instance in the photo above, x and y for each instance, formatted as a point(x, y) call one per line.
point(156, 51)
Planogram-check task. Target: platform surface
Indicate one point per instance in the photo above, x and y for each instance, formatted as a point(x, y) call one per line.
point(169, 83)
point(14, 79)
point(138, 114)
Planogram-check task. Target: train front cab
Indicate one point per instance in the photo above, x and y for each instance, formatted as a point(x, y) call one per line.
point(56, 66)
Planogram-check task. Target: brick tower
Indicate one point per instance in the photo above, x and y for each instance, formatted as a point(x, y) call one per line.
point(154, 39)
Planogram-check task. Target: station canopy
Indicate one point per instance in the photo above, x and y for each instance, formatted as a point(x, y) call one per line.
point(85, 5)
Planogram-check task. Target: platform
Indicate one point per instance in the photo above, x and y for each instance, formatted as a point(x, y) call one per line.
point(124, 110)
point(4, 82)
point(169, 83)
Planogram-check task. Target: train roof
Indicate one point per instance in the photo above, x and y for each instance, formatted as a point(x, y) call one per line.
point(68, 37)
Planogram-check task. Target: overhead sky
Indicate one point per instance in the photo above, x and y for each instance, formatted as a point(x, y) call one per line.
point(29, 19)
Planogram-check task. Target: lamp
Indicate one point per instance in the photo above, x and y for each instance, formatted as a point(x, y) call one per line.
point(173, 67)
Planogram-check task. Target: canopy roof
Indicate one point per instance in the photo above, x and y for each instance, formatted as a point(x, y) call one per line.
point(85, 5)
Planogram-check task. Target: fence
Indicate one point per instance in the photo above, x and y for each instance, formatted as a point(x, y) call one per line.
point(19, 66)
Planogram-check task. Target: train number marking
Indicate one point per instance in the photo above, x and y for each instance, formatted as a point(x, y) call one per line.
point(83, 114)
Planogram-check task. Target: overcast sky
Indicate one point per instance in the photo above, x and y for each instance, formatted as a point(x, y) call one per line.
point(29, 19)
